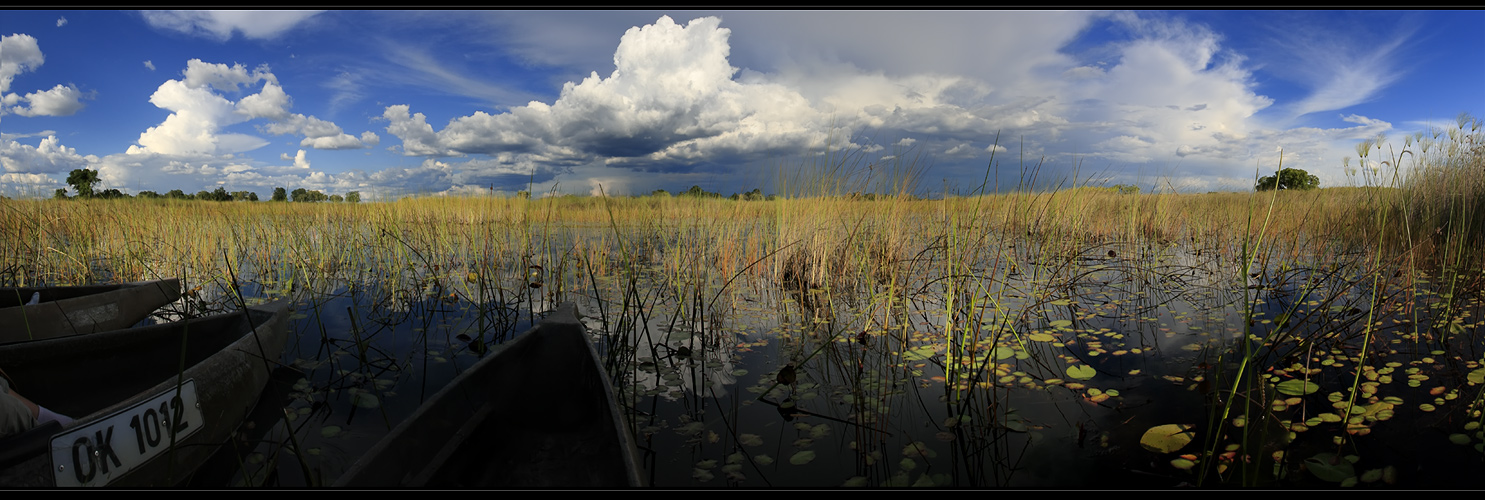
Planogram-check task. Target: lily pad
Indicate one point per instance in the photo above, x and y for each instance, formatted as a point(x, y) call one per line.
point(1167, 438)
point(919, 354)
point(1322, 467)
point(365, 400)
point(1298, 387)
point(918, 449)
point(1081, 372)
point(927, 481)
point(1015, 425)
point(802, 457)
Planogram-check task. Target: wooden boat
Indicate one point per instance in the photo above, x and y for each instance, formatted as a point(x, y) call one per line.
point(60, 311)
point(225, 468)
point(133, 392)
point(540, 412)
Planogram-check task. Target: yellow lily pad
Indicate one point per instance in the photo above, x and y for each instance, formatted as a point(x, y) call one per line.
point(1167, 438)
point(1081, 372)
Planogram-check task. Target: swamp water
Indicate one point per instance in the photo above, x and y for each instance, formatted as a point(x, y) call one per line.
point(1024, 375)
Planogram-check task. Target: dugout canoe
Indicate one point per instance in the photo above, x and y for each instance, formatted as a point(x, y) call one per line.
point(538, 413)
point(60, 311)
point(127, 392)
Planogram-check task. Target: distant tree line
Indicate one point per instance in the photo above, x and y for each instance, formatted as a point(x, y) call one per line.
point(697, 192)
point(84, 180)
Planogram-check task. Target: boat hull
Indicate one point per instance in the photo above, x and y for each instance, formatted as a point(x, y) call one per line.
point(74, 310)
point(228, 357)
point(539, 413)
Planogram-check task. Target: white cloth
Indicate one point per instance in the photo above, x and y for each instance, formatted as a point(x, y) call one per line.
point(46, 415)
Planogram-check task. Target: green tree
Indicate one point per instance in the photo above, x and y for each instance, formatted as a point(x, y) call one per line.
point(660, 193)
point(299, 194)
point(221, 194)
point(353, 197)
point(82, 180)
point(525, 195)
point(696, 191)
point(1289, 178)
point(147, 195)
point(335, 198)
point(279, 195)
point(177, 194)
point(60, 194)
point(203, 195)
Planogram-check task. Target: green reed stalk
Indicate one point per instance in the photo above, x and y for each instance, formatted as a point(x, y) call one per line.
point(1215, 425)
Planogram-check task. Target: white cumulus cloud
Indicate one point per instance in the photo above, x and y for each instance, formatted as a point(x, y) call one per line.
point(59, 101)
point(201, 113)
point(299, 159)
point(20, 53)
point(671, 98)
point(195, 124)
point(48, 156)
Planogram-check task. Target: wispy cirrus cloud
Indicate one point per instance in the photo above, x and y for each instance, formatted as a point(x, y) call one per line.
point(1339, 65)
point(220, 25)
point(417, 65)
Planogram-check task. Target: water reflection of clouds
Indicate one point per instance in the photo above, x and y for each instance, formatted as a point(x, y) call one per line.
point(678, 359)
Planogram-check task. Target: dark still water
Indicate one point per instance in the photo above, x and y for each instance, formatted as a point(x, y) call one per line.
point(1003, 379)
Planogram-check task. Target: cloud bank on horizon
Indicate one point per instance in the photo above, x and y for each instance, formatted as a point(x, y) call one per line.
point(391, 103)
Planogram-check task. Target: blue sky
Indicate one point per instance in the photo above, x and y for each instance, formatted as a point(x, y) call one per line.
point(406, 102)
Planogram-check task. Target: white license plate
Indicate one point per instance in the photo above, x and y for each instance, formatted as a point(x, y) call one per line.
point(106, 449)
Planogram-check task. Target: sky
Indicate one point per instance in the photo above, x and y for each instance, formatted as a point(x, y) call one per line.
point(395, 103)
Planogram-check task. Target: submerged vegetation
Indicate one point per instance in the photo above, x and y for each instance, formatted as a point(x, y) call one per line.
point(822, 337)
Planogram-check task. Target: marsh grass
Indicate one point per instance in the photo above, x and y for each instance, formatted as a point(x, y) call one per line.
point(950, 310)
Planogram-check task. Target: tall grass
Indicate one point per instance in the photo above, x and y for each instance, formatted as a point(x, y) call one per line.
point(947, 282)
